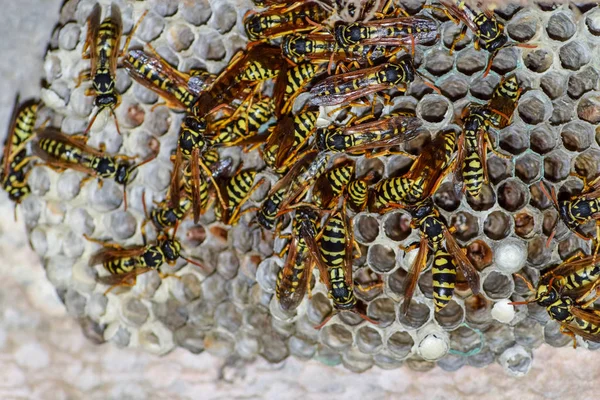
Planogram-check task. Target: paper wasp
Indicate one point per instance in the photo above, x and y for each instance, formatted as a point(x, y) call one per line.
point(578, 210)
point(103, 43)
point(350, 86)
point(277, 22)
point(290, 83)
point(434, 233)
point(178, 89)
point(397, 32)
point(236, 191)
point(245, 124)
point(565, 290)
point(164, 217)
point(424, 176)
point(489, 32)
point(294, 277)
point(322, 47)
point(504, 101)
point(328, 188)
point(290, 137)
point(336, 245)
point(60, 152)
point(358, 139)
point(125, 264)
point(357, 192)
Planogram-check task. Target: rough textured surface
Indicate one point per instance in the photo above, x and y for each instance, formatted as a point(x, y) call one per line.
point(30, 356)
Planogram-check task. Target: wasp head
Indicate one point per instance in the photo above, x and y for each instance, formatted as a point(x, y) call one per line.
point(123, 173)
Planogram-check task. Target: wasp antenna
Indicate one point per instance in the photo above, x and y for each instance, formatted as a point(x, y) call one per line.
point(325, 321)
point(527, 282)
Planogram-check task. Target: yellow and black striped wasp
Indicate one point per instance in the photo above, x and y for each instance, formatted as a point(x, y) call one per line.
point(289, 138)
point(434, 233)
point(178, 89)
point(236, 192)
point(359, 138)
point(59, 151)
point(504, 101)
point(567, 291)
point(330, 186)
point(294, 278)
point(102, 47)
point(424, 176)
point(347, 87)
point(125, 264)
point(336, 246)
point(290, 83)
point(279, 21)
point(578, 210)
point(14, 158)
point(489, 32)
point(396, 32)
point(165, 217)
point(244, 125)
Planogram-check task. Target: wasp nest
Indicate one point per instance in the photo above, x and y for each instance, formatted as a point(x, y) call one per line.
point(230, 311)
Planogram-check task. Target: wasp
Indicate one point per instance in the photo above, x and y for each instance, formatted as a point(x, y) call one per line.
point(349, 86)
point(472, 148)
point(60, 152)
point(277, 22)
point(397, 32)
point(434, 233)
point(321, 47)
point(245, 124)
point(336, 247)
point(504, 101)
point(14, 180)
point(178, 89)
point(362, 137)
point(290, 137)
point(290, 83)
point(236, 83)
point(164, 217)
point(424, 176)
point(294, 278)
point(578, 210)
point(125, 264)
point(357, 192)
point(564, 290)
point(328, 188)
point(102, 47)
point(236, 192)
point(488, 31)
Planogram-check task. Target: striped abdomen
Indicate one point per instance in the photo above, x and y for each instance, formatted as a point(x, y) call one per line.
point(472, 173)
point(25, 123)
point(392, 190)
point(65, 152)
point(358, 193)
point(267, 215)
point(444, 278)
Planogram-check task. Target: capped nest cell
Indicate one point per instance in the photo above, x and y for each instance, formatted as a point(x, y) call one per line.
point(228, 308)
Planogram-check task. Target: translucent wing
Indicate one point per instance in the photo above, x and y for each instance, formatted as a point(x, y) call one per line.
point(410, 281)
point(463, 262)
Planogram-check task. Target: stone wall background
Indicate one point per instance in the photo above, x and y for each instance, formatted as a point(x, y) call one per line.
point(44, 354)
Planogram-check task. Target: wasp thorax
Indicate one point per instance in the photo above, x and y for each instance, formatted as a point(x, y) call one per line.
point(106, 168)
point(171, 249)
point(122, 174)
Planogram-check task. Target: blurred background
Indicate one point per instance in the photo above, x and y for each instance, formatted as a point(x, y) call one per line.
point(44, 354)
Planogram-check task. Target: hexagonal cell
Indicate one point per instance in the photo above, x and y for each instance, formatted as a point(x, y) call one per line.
point(439, 62)
point(467, 225)
point(515, 139)
point(505, 61)
point(562, 111)
point(534, 110)
point(446, 197)
point(418, 315)
point(400, 344)
point(471, 61)
point(485, 200)
point(397, 226)
point(497, 286)
point(588, 108)
point(482, 88)
point(577, 136)
point(539, 60)
point(582, 82)
point(497, 225)
point(557, 166)
point(574, 55)
point(554, 337)
point(523, 26)
point(542, 140)
point(538, 199)
point(433, 108)
point(554, 84)
point(587, 164)
point(478, 310)
point(381, 258)
point(592, 21)
point(336, 336)
point(451, 316)
point(454, 87)
point(366, 228)
point(499, 169)
point(383, 311)
point(524, 224)
point(368, 340)
point(512, 195)
point(527, 168)
point(560, 26)
point(537, 251)
point(480, 254)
